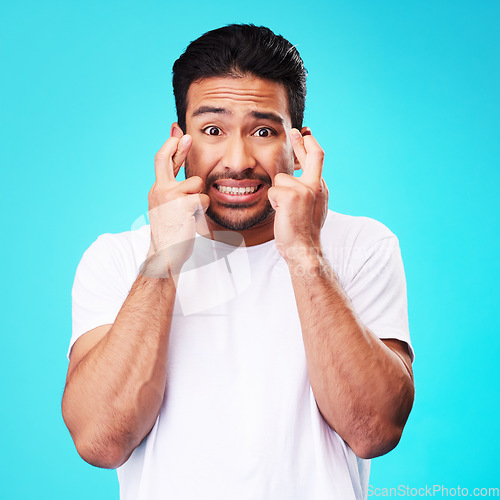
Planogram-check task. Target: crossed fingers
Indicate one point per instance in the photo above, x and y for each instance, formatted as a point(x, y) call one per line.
point(311, 157)
point(171, 157)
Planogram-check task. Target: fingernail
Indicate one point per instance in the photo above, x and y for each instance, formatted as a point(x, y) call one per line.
point(185, 139)
point(295, 134)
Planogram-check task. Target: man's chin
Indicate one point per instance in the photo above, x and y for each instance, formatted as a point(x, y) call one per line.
point(238, 219)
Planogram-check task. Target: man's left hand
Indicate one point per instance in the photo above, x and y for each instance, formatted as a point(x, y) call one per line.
point(301, 203)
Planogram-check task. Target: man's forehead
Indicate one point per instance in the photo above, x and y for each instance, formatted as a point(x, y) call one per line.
point(222, 94)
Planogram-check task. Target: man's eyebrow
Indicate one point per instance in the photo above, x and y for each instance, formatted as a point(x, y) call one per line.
point(267, 116)
point(212, 110)
point(259, 115)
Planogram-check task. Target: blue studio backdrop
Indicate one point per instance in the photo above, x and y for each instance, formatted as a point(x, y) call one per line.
point(402, 95)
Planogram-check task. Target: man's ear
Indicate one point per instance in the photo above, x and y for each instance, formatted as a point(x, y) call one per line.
point(175, 130)
point(296, 164)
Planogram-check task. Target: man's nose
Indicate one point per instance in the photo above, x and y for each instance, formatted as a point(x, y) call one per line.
point(238, 154)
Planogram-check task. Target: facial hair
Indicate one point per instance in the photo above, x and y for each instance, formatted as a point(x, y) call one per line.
point(235, 217)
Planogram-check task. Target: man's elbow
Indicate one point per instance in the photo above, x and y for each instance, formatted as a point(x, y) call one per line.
point(377, 444)
point(104, 456)
point(379, 432)
point(384, 431)
point(92, 446)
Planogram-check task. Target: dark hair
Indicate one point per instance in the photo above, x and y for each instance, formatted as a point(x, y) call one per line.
point(236, 50)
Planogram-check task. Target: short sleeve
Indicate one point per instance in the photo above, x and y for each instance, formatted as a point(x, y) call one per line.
point(99, 289)
point(377, 288)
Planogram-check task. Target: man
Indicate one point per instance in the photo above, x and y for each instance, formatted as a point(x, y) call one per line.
point(247, 343)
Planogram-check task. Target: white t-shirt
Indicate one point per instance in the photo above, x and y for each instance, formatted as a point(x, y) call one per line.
point(239, 419)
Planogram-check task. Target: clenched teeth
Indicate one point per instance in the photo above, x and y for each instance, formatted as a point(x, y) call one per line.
point(237, 190)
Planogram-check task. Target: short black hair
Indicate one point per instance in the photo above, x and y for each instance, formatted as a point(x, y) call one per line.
point(236, 50)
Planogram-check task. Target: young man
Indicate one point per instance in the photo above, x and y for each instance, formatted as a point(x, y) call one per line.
point(248, 343)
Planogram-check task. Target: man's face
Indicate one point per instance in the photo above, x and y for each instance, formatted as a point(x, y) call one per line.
point(240, 137)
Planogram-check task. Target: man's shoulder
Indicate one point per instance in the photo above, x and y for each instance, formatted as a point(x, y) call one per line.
point(350, 230)
point(133, 243)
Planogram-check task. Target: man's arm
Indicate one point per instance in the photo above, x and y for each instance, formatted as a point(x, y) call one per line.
point(363, 386)
point(117, 374)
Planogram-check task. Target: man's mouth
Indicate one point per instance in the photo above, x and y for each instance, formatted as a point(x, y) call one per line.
point(235, 190)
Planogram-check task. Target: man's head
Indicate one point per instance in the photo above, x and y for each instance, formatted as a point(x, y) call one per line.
point(237, 50)
point(239, 91)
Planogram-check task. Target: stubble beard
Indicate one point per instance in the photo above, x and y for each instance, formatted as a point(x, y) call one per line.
point(236, 217)
point(239, 221)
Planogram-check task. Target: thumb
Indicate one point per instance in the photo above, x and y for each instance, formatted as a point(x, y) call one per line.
point(204, 201)
point(272, 194)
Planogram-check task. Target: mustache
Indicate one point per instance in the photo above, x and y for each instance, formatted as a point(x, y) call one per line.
point(238, 176)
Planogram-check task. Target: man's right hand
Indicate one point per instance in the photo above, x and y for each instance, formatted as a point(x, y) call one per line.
point(173, 209)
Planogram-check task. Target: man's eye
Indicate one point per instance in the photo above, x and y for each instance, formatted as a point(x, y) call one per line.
point(212, 130)
point(264, 132)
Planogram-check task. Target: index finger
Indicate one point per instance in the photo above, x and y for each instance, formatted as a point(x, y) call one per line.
point(312, 169)
point(164, 168)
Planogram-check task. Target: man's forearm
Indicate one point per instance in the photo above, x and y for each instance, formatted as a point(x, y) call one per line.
point(114, 394)
point(362, 388)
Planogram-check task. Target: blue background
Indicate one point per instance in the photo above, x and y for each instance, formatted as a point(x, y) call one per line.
point(404, 98)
